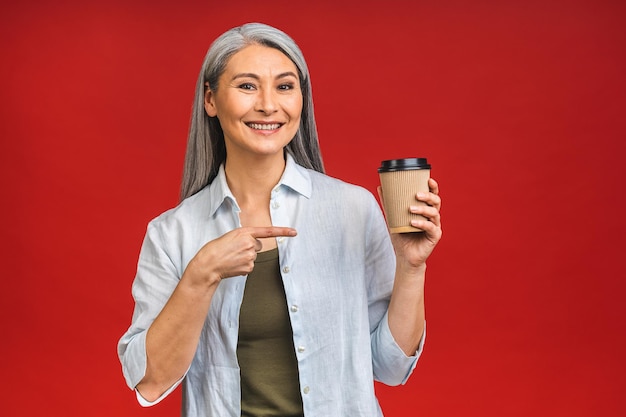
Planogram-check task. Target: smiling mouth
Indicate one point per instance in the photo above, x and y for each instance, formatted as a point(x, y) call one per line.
point(264, 126)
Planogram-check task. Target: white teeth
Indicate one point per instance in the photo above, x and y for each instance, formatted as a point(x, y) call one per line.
point(260, 126)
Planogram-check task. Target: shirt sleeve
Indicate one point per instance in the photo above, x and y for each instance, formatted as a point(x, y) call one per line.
point(391, 365)
point(145, 403)
point(156, 278)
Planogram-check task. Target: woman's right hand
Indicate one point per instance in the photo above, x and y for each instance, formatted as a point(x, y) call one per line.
point(231, 255)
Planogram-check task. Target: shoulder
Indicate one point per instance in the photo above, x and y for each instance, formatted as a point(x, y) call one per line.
point(354, 201)
point(325, 185)
point(188, 211)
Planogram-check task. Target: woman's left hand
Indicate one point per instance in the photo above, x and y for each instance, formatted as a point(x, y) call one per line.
point(414, 248)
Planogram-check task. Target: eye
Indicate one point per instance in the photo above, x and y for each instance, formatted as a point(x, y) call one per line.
point(286, 86)
point(247, 86)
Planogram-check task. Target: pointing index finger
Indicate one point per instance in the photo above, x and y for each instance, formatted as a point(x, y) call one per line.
point(272, 231)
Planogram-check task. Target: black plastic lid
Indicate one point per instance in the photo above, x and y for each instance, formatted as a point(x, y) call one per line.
point(403, 164)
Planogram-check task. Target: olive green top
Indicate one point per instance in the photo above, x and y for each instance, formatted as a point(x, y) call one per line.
point(269, 369)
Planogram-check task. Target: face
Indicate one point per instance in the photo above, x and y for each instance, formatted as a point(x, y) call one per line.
point(258, 102)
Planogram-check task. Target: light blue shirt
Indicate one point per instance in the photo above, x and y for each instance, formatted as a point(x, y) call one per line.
point(337, 272)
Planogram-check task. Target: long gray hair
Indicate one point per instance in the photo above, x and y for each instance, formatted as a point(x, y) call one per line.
point(206, 150)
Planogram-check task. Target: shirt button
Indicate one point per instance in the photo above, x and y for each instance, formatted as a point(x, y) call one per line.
point(301, 349)
point(275, 204)
point(306, 389)
point(286, 269)
point(281, 239)
point(294, 308)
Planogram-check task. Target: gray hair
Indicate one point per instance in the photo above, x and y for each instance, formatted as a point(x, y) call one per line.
point(206, 150)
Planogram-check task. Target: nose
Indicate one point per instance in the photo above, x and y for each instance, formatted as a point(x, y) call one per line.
point(266, 101)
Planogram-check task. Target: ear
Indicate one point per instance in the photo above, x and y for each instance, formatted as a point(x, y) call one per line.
point(209, 101)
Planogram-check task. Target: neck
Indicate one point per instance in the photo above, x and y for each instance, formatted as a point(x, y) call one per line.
point(251, 180)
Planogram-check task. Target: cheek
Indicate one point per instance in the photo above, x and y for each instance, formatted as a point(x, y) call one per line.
point(295, 108)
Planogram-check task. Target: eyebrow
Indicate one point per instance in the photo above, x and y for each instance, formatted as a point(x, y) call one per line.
point(256, 77)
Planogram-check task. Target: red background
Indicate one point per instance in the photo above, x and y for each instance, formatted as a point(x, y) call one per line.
point(519, 106)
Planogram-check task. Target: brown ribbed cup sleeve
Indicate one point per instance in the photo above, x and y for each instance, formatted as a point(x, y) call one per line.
point(399, 189)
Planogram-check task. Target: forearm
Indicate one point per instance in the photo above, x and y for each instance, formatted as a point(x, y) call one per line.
point(172, 339)
point(406, 308)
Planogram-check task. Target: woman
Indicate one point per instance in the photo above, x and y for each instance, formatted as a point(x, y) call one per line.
point(272, 289)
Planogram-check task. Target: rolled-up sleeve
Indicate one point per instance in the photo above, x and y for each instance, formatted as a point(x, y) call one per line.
point(391, 365)
point(156, 278)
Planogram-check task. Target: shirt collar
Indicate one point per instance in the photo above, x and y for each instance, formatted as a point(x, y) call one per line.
point(220, 193)
point(295, 177)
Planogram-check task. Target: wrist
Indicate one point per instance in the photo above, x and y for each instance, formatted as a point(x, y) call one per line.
point(199, 277)
point(406, 268)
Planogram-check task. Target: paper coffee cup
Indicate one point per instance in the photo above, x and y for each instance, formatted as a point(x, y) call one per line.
point(400, 180)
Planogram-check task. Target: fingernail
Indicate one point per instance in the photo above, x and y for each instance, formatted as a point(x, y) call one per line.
point(421, 195)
